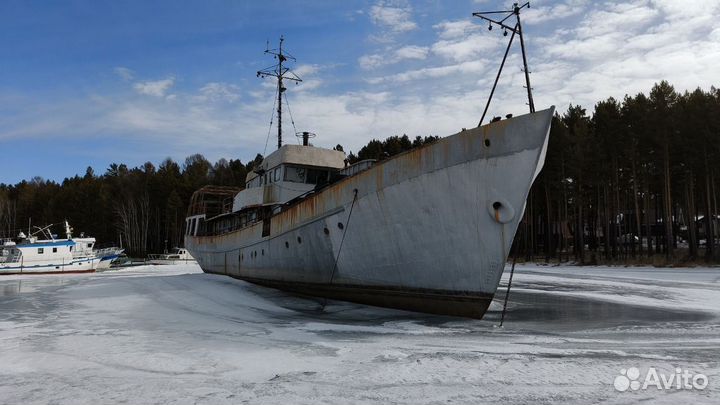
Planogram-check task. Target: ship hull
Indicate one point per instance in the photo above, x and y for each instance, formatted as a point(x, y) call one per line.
point(428, 230)
point(88, 265)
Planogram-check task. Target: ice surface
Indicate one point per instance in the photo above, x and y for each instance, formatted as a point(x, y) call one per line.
point(173, 335)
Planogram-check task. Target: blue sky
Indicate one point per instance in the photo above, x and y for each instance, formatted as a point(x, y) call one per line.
point(89, 83)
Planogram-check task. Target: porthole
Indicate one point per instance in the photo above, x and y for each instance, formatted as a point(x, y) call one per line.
point(299, 239)
point(487, 142)
point(327, 231)
point(340, 225)
point(287, 244)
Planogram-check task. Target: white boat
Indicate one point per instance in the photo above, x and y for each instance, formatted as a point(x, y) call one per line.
point(88, 246)
point(175, 256)
point(427, 230)
point(108, 256)
point(29, 254)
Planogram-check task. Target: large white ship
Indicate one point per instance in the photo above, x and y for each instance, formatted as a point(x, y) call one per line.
point(427, 230)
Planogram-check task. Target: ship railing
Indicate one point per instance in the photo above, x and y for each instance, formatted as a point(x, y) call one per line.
point(11, 258)
point(228, 204)
point(81, 254)
point(357, 167)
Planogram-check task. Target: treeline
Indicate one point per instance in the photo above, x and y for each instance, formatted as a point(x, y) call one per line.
point(143, 208)
point(634, 181)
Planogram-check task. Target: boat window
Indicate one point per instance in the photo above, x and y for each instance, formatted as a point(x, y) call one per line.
point(295, 174)
point(277, 174)
point(315, 176)
point(89, 245)
point(71, 248)
point(54, 250)
point(41, 251)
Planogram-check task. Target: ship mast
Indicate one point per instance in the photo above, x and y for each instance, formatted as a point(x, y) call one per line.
point(280, 72)
point(516, 30)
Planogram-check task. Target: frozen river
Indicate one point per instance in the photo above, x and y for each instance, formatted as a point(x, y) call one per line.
point(172, 335)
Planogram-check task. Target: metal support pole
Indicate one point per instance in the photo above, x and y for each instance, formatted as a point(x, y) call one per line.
point(507, 294)
point(280, 91)
point(497, 78)
point(525, 65)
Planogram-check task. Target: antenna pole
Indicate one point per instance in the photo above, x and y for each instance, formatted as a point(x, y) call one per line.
point(517, 29)
point(531, 104)
point(280, 72)
point(280, 91)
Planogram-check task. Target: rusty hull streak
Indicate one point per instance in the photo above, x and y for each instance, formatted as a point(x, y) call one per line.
point(414, 161)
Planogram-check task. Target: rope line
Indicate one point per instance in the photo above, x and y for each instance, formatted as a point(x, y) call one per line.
point(272, 118)
point(291, 116)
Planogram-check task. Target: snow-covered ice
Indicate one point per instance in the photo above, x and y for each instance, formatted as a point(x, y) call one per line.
point(173, 335)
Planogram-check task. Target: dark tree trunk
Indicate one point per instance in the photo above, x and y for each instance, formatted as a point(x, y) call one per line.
point(667, 203)
point(691, 214)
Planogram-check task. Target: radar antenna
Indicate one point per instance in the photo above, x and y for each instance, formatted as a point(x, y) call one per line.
point(280, 72)
point(516, 29)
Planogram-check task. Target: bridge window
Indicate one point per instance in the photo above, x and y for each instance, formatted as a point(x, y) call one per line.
point(295, 174)
point(276, 174)
point(315, 176)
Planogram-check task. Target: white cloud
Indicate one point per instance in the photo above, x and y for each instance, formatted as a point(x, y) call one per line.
point(625, 48)
point(393, 15)
point(406, 52)
point(412, 52)
point(468, 67)
point(469, 48)
point(156, 88)
point(307, 69)
point(215, 91)
point(558, 10)
point(455, 29)
point(125, 73)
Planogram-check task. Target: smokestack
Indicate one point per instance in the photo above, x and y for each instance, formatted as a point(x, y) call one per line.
point(305, 137)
